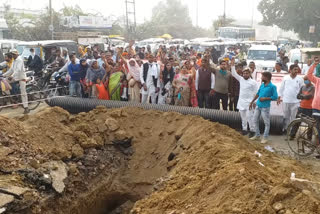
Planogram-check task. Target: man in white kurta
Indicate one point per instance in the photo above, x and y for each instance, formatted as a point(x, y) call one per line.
point(16, 74)
point(288, 92)
point(150, 81)
point(248, 90)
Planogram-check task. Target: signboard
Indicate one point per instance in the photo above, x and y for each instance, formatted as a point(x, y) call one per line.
point(94, 22)
point(86, 22)
point(70, 22)
point(90, 41)
point(276, 80)
point(312, 29)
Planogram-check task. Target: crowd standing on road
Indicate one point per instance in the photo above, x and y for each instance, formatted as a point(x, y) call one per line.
point(181, 77)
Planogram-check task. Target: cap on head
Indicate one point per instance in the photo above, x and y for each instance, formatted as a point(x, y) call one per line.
point(14, 52)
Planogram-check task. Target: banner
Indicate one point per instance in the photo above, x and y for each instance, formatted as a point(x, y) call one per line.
point(86, 22)
point(312, 29)
point(94, 22)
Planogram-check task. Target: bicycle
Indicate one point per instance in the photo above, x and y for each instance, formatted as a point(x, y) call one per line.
point(35, 96)
point(303, 135)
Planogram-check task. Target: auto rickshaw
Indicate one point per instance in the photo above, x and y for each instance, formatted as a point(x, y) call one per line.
point(44, 49)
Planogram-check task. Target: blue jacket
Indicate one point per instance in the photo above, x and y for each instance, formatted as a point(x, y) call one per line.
point(74, 72)
point(267, 91)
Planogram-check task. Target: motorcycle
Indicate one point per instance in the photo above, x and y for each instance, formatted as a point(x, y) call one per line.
point(44, 78)
point(58, 85)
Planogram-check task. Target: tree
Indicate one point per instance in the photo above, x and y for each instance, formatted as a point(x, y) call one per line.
point(30, 28)
point(172, 17)
point(221, 22)
point(73, 11)
point(296, 15)
point(33, 27)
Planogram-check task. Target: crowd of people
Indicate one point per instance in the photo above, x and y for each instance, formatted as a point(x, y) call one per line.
point(183, 77)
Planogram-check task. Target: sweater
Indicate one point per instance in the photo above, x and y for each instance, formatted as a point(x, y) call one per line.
point(222, 81)
point(74, 72)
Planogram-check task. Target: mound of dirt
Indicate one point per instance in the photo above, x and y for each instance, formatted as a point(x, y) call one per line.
point(135, 161)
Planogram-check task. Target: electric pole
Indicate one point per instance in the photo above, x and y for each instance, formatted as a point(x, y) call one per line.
point(224, 14)
point(252, 22)
point(131, 18)
point(197, 13)
point(51, 19)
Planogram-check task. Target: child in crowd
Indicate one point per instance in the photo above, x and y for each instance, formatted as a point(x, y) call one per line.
point(124, 90)
point(101, 92)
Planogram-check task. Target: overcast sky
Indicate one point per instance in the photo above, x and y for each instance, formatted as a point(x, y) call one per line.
point(208, 9)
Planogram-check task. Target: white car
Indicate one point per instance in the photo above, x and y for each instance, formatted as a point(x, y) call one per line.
point(264, 56)
point(153, 42)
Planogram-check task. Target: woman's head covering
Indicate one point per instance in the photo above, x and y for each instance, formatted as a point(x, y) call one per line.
point(93, 61)
point(134, 70)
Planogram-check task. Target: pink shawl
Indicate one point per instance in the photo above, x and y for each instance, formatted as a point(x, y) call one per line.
point(134, 70)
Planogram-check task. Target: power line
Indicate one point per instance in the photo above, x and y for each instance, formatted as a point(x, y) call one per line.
point(197, 13)
point(224, 11)
point(51, 19)
point(252, 18)
point(131, 21)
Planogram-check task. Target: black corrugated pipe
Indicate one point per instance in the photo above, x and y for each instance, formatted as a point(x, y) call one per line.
point(232, 119)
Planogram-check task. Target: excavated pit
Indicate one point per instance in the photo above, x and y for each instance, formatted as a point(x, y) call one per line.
point(134, 161)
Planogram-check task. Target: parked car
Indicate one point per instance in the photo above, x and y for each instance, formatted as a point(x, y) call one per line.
point(264, 56)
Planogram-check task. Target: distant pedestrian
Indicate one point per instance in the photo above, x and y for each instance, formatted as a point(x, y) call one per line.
point(278, 68)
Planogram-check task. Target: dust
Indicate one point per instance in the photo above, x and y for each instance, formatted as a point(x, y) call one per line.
point(135, 161)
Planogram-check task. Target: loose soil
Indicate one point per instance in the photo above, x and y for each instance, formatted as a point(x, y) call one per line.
point(84, 164)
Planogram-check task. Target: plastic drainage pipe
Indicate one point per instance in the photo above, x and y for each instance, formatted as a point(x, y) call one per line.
point(229, 118)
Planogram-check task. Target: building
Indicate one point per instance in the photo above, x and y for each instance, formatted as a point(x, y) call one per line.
point(4, 30)
point(20, 12)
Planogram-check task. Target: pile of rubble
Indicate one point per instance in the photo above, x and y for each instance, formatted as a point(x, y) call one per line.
point(135, 161)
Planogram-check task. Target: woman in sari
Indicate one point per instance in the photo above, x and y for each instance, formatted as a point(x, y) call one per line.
point(133, 77)
point(192, 71)
point(182, 86)
point(115, 82)
point(94, 72)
